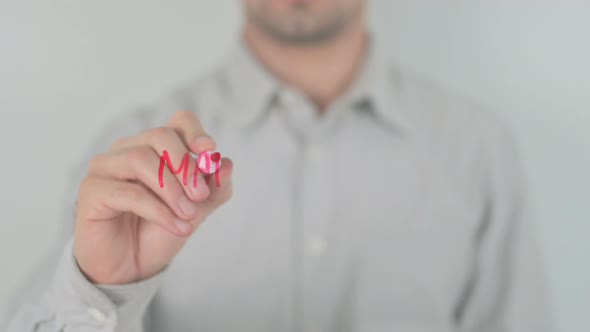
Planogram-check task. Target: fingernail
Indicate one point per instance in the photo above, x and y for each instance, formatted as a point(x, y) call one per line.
point(187, 207)
point(183, 226)
point(201, 191)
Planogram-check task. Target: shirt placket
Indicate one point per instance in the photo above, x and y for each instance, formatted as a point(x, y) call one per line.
point(313, 202)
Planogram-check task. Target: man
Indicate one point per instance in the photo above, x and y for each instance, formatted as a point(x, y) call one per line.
point(364, 199)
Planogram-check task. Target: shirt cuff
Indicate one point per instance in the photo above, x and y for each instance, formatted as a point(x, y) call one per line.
point(78, 302)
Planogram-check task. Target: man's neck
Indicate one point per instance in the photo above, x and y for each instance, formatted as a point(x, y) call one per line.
point(321, 71)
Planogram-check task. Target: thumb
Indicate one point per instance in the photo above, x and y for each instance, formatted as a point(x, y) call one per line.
point(190, 130)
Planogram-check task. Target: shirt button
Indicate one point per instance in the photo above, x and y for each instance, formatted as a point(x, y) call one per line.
point(96, 314)
point(317, 246)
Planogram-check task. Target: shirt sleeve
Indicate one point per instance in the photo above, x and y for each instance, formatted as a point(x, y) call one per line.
point(508, 293)
point(73, 303)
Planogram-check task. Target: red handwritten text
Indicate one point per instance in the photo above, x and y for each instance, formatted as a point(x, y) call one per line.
point(209, 159)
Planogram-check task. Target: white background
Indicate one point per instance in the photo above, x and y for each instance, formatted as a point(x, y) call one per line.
point(66, 67)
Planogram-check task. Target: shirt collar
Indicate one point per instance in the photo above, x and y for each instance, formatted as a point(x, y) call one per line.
point(380, 88)
point(253, 88)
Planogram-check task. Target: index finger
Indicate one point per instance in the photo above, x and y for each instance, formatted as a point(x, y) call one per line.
point(191, 132)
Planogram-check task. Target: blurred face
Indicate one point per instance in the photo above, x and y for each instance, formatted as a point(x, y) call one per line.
point(303, 21)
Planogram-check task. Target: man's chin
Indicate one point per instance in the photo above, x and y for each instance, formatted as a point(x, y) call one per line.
point(300, 32)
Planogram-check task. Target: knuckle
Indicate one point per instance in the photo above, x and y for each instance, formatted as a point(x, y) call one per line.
point(163, 214)
point(183, 115)
point(172, 194)
point(159, 133)
point(86, 184)
point(118, 143)
point(177, 193)
point(96, 162)
point(140, 155)
point(129, 191)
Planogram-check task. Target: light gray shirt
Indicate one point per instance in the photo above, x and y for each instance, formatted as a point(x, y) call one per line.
point(402, 208)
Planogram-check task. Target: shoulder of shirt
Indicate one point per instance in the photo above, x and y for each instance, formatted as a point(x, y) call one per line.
point(475, 141)
point(434, 110)
point(437, 111)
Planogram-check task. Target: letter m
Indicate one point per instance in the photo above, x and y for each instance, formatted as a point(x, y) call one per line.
point(165, 160)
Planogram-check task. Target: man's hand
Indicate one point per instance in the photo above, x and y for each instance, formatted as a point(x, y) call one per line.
point(128, 228)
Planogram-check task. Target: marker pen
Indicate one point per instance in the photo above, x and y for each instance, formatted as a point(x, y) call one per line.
point(208, 162)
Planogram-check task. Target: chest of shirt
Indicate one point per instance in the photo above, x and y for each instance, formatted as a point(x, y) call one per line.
point(314, 228)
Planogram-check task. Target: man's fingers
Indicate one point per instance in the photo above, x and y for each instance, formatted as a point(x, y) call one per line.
point(174, 155)
point(141, 164)
point(121, 196)
point(220, 186)
point(172, 144)
point(191, 132)
point(221, 192)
